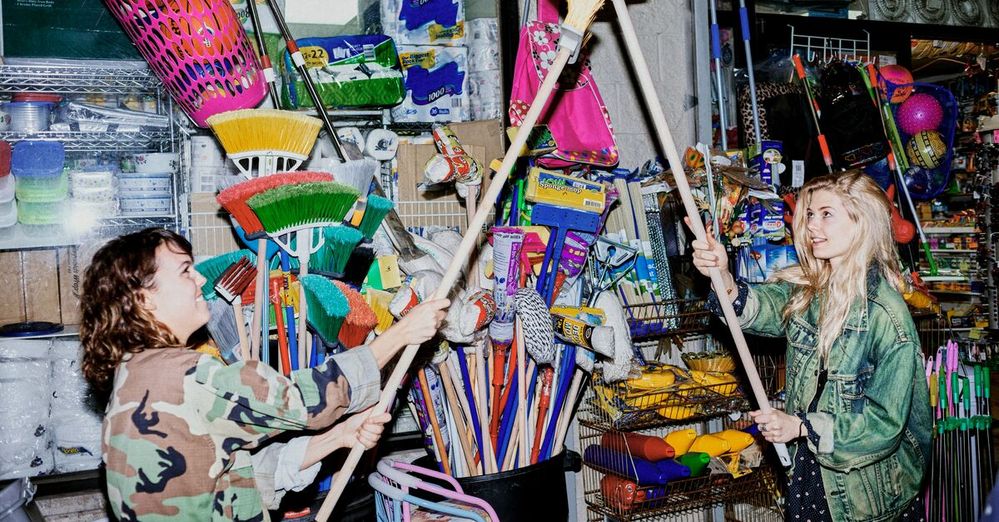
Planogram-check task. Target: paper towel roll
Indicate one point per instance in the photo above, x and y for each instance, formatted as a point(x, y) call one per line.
point(483, 44)
point(436, 80)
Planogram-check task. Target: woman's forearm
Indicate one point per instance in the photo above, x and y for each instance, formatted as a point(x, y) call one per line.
point(322, 445)
point(385, 346)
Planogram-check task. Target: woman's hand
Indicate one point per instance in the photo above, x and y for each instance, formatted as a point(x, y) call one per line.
point(362, 427)
point(421, 323)
point(777, 426)
point(710, 254)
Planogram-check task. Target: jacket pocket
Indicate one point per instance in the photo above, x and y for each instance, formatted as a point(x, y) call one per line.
point(851, 390)
point(875, 489)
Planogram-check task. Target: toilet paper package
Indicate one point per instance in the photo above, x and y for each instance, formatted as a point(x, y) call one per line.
point(436, 80)
point(485, 95)
point(422, 22)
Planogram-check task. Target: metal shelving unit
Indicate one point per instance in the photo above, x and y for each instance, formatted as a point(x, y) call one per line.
point(83, 78)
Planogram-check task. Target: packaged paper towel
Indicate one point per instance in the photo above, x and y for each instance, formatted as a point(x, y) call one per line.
point(436, 80)
point(485, 95)
point(410, 22)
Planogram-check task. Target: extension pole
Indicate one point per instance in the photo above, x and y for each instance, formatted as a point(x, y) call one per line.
point(680, 180)
point(716, 56)
point(744, 19)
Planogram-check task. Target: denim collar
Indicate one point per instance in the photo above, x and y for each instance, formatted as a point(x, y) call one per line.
point(857, 318)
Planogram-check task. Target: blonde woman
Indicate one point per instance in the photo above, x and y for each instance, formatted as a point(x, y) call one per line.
point(857, 406)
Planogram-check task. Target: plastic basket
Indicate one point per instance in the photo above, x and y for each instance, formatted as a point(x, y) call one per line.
point(926, 183)
point(198, 49)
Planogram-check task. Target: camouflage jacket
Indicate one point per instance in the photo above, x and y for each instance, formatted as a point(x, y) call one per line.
point(180, 424)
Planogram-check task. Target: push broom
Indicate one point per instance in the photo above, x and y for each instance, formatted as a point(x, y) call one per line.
point(578, 19)
point(665, 139)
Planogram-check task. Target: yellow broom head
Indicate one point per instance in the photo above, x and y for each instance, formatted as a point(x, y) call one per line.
point(581, 13)
point(379, 301)
point(266, 131)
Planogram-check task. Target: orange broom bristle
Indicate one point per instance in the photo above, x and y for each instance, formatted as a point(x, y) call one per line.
point(359, 322)
point(234, 198)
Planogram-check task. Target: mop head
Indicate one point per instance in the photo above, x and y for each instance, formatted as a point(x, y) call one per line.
point(421, 286)
point(475, 310)
point(618, 368)
point(539, 337)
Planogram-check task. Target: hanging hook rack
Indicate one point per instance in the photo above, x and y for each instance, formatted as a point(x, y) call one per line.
point(810, 46)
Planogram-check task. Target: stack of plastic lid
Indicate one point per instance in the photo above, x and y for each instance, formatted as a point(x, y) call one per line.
point(149, 190)
point(31, 112)
point(94, 190)
point(41, 185)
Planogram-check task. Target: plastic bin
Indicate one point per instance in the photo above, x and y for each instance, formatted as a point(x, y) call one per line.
point(29, 116)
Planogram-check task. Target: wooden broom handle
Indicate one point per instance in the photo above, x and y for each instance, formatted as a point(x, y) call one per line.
point(665, 139)
point(454, 268)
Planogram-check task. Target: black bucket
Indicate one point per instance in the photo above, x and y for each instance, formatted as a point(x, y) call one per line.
point(536, 492)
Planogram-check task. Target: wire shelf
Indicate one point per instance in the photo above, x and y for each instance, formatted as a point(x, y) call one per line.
point(667, 318)
point(78, 79)
point(621, 406)
point(138, 141)
point(748, 497)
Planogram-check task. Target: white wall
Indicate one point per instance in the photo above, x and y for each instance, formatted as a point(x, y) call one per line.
point(665, 31)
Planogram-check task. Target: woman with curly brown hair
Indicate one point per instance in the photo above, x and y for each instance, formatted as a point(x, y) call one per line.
point(187, 437)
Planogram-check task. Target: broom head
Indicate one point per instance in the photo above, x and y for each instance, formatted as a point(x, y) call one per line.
point(360, 321)
point(262, 132)
point(327, 307)
point(213, 268)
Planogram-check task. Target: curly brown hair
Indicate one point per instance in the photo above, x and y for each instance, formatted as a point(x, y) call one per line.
point(114, 320)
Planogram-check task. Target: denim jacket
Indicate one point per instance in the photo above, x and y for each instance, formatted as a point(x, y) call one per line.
point(872, 420)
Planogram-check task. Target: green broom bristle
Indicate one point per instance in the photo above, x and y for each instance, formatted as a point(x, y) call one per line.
point(213, 267)
point(292, 206)
point(375, 211)
point(333, 256)
point(327, 307)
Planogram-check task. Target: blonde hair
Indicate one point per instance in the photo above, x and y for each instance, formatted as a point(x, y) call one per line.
point(114, 320)
point(867, 206)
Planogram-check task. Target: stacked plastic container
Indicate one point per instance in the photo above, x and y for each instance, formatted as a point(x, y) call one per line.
point(75, 424)
point(94, 190)
point(31, 112)
point(8, 205)
point(25, 438)
point(148, 191)
point(41, 185)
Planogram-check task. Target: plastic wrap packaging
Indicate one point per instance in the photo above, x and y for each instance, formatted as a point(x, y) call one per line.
point(428, 22)
point(436, 80)
point(75, 425)
point(483, 45)
point(485, 95)
point(25, 440)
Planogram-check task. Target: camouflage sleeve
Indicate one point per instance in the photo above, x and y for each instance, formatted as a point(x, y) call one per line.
point(250, 402)
point(277, 469)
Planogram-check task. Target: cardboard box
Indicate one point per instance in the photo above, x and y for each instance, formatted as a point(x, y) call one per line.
point(43, 285)
point(483, 140)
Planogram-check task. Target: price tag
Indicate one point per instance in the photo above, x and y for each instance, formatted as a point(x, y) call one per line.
point(797, 173)
point(315, 56)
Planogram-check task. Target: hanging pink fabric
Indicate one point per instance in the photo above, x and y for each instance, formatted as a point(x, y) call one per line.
point(575, 114)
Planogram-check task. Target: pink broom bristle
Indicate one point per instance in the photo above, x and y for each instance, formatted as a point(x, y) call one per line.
point(234, 198)
point(359, 322)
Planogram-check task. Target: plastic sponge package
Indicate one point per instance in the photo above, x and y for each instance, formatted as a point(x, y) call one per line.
point(436, 80)
point(424, 22)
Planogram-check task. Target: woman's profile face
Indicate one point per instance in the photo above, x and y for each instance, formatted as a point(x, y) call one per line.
point(175, 299)
point(830, 228)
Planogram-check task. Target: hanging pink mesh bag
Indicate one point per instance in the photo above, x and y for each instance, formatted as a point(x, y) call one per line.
point(198, 49)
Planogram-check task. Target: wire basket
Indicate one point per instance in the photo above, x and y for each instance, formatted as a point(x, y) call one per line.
point(198, 49)
point(624, 406)
point(665, 318)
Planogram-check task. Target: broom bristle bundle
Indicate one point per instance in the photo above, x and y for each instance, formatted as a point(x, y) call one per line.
point(327, 307)
point(379, 301)
point(374, 213)
point(234, 281)
point(356, 173)
point(213, 268)
point(360, 320)
point(581, 13)
point(233, 199)
point(294, 206)
point(332, 258)
point(265, 131)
